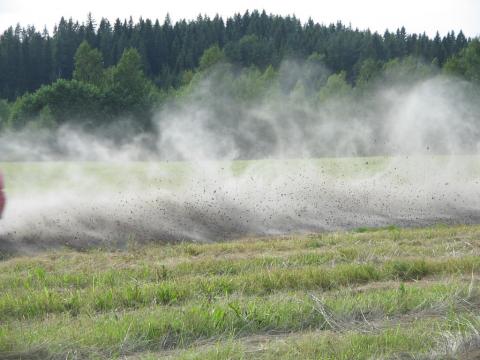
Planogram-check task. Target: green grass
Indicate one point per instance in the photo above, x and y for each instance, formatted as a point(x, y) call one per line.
point(373, 293)
point(25, 177)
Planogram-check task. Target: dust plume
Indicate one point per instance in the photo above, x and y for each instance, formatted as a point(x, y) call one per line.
point(217, 167)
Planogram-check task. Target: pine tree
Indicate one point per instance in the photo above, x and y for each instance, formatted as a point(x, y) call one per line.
point(89, 65)
point(129, 84)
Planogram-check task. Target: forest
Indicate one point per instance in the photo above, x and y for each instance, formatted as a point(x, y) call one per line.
point(95, 73)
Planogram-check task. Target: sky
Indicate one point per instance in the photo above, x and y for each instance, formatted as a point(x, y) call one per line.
point(378, 15)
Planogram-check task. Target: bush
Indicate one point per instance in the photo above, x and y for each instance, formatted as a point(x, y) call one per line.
point(63, 101)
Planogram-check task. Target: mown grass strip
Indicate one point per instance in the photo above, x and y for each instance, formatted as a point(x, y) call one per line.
point(443, 337)
point(436, 241)
point(33, 303)
point(389, 343)
point(164, 327)
point(116, 334)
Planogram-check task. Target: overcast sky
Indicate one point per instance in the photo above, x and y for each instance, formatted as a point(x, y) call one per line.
point(415, 15)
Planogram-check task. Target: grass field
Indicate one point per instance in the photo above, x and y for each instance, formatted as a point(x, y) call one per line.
point(369, 293)
point(35, 176)
point(21, 177)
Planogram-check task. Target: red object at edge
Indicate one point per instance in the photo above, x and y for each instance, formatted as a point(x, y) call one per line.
point(2, 196)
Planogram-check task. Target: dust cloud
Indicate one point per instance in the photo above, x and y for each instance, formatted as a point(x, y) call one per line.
point(216, 168)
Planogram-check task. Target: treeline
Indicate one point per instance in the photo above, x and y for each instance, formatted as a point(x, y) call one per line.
point(30, 58)
point(95, 96)
point(94, 75)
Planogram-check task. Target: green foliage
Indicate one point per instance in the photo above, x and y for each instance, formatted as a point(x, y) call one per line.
point(336, 87)
point(249, 50)
point(248, 85)
point(128, 91)
point(316, 73)
point(407, 70)
point(248, 57)
point(316, 58)
point(187, 77)
point(45, 120)
point(120, 91)
point(299, 93)
point(370, 70)
point(128, 78)
point(88, 65)
point(269, 75)
point(4, 113)
point(30, 58)
point(213, 55)
point(466, 63)
point(63, 101)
